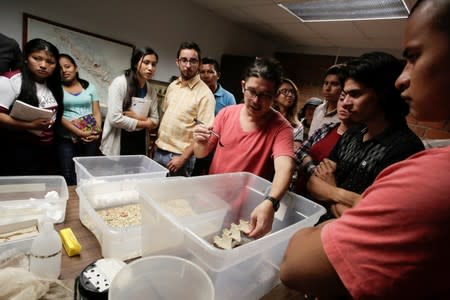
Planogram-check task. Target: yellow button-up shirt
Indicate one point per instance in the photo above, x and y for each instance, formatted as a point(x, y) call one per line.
point(184, 101)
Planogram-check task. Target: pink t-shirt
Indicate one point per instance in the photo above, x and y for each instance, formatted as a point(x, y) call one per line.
point(252, 151)
point(395, 243)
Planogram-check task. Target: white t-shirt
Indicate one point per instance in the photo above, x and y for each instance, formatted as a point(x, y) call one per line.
point(10, 90)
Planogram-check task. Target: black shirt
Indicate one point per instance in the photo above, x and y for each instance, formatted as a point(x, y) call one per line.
point(358, 163)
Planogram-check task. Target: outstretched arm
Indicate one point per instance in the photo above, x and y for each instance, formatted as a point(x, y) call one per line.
point(261, 218)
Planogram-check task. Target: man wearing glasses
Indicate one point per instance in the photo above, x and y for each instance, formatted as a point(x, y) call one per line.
point(253, 137)
point(187, 98)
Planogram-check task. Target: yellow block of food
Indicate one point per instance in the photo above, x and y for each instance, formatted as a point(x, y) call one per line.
point(70, 242)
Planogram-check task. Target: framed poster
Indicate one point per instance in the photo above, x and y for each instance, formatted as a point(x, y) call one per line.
point(100, 59)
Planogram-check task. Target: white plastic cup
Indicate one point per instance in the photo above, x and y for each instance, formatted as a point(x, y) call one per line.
point(161, 278)
point(45, 257)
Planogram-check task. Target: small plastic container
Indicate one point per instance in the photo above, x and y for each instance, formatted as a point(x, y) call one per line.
point(120, 243)
point(114, 168)
point(245, 272)
point(45, 257)
point(161, 277)
point(24, 198)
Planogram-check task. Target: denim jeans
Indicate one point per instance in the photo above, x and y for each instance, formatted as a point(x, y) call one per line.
point(67, 150)
point(164, 157)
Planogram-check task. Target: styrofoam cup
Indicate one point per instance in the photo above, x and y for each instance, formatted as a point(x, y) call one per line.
point(161, 277)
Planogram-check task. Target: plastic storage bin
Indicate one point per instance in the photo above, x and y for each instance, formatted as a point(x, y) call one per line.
point(112, 168)
point(161, 277)
point(26, 199)
point(246, 272)
point(120, 243)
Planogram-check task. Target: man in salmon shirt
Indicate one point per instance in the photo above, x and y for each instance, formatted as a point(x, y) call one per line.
point(394, 243)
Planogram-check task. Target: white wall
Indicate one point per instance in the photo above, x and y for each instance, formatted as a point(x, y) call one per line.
point(160, 24)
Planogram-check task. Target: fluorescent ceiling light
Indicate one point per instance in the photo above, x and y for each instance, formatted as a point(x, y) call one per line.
point(347, 10)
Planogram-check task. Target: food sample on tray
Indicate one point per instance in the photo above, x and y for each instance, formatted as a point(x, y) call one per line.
point(178, 207)
point(121, 216)
point(18, 231)
point(18, 234)
point(233, 237)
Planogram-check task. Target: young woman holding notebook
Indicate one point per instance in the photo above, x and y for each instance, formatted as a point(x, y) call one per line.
point(82, 119)
point(28, 145)
point(132, 107)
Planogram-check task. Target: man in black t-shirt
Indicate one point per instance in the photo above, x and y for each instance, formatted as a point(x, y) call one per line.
point(364, 151)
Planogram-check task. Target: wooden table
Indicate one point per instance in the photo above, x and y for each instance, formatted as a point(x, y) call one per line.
point(91, 251)
point(90, 247)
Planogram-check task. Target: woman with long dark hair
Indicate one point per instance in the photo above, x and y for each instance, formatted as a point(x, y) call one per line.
point(129, 97)
point(286, 102)
point(82, 119)
point(29, 144)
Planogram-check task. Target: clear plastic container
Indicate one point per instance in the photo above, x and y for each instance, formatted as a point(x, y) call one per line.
point(246, 272)
point(25, 198)
point(120, 243)
point(45, 257)
point(161, 277)
point(113, 168)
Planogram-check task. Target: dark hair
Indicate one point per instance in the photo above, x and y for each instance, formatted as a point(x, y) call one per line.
point(311, 102)
point(53, 82)
point(192, 46)
point(267, 68)
point(131, 74)
point(440, 13)
point(84, 83)
point(292, 112)
point(339, 71)
point(379, 71)
point(211, 61)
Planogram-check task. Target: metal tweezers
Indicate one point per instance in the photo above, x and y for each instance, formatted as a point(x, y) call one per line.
point(210, 130)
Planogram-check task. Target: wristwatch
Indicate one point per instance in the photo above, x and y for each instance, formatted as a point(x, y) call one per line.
point(275, 202)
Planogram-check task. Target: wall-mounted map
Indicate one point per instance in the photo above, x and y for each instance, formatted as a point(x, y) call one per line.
point(100, 59)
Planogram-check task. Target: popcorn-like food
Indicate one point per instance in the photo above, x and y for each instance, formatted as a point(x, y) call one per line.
point(70, 242)
point(233, 237)
point(121, 216)
point(178, 207)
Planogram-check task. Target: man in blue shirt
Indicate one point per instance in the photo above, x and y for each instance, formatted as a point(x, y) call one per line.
point(210, 74)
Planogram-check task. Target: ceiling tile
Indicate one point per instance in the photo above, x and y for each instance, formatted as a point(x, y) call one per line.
point(315, 42)
point(381, 28)
point(295, 29)
point(266, 18)
point(269, 13)
point(336, 29)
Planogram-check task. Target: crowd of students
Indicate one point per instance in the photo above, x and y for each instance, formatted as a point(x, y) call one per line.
point(384, 235)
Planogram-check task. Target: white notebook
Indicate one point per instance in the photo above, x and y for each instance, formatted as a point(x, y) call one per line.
point(26, 112)
point(140, 106)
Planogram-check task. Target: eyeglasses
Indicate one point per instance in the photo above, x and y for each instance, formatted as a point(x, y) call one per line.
point(185, 61)
point(252, 94)
point(286, 92)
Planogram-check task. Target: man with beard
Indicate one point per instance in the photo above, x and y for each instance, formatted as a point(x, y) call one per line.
point(187, 99)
